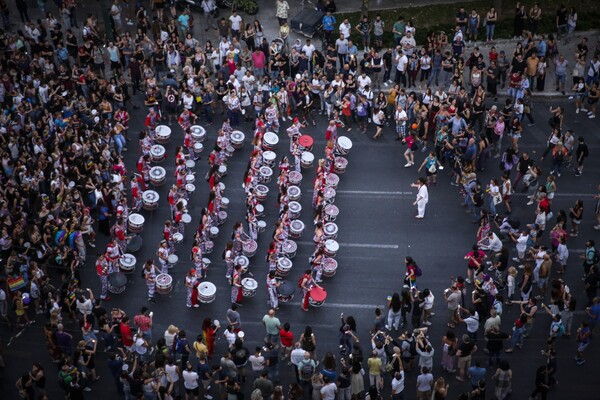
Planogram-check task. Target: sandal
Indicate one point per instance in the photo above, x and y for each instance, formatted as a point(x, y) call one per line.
point(451, 325)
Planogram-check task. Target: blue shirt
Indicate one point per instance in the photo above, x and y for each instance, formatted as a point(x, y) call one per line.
point(328, 22)
point(477, 373)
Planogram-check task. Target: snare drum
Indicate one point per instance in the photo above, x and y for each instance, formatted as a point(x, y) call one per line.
point(331, 212)
point(150, 200)
point(306, 160)
point(224, 203)
point(213, 232)
point(237, 139)
point(270, 141)
point(331, 247)
point(266, 174)
point(285, 291)
point(317, 296)
point(222, 171)
point(207, 292)
point(222, 217)
point(172, 260)
point(295, 208)
point(186, 218)
point(294, 193)
point(332, 180)
point(207, 247)
point(339, 165)
point(198, 133)
point(343, 146)
point(295, 178)
point(164, 283)
point(190, 187)
point(157, 153)
point(305, 143)
point(198, 148)
point(221, 186)
point(288, 248)
point(330, 230)
point(261, 192)
point(296, 228)
point(136, 223)
point(178, 237)
point(127, 263)
point(249, 248)
point(249, 287)
point(284, 265)
point(260, 210)
point(329, 195)
point(230, 150)
point(329, 267)
point(117, 282)
point(162, 134)
point(158, 176)
point(183, 203)
point(190, 178)
point(190, 164)
point(243, 262)
point(269, 158)
point(261, 226)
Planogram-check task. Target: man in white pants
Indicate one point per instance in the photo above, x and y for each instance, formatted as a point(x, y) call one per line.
point(422, 197)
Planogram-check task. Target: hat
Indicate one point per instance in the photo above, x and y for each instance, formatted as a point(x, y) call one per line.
point(241, 335)
point(94, 112)
point(125, 367)
point(295, 120)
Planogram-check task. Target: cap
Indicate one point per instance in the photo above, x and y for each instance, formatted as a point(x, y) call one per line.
point(125, 367)
point(295, 120)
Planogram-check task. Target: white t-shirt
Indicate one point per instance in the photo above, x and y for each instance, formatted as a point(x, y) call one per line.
point(423, 194)
point(235, 20)
point(424, 382)
point(428, 302)
point(522, 243)
point(190, 379)
point(257, 362)
point(362, 82)
point(398, 384)
point(345, 29)
point(139, 346)
point(328, 391)
point(308, 50)
point(472, 323)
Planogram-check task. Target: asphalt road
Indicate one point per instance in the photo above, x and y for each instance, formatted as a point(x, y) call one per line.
point(376, 231)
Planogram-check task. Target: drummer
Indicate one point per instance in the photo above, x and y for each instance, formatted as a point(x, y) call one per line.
point(229, 257)
point(317, 264)
point(272, 285)
point(307, 283)
point(152, 120)
point(329, 157)
point(145, 142)
point(188, 142)
point(252, 224)
point(272, 115)
point(143, 167)
point(331, 133)
point(294, 132)
point(190, 283)
point(297, 154)
point(238, 236)
point(178, 220)
point(186, 118)
point(280, 235)
point(199, 264)
point(150, 274)
point(103, 270)
point(112, 255)
point(136, 194)
point(168, 236)
point(272, 256)
point(236, 285)
point(163, 257)
point(173, 198)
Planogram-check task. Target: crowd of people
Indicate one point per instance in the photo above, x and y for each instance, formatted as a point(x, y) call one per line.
point(67, 97)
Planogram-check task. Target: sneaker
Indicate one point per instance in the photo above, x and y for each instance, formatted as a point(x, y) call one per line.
point(584, 109)
point(592, 116)
point(531, 124)
point(516, 259)
point(407, 165)
point(559, 174)
point(576, 111)
point(552, 172)
point(208, 397)
point(597, 227)
point(426, 323)
point(570, 98)
point(580, 362)
point(87, 389)
point(468, 281)
point(92, 244)
point(521, 266)
point(529, 203)
point(387, 327)
point(386, 84)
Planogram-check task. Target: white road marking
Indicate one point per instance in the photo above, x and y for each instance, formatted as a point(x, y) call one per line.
point(358, 245)
point(343, 305)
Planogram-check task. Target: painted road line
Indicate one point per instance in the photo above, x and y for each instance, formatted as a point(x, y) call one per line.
point(357, 245)
point(557, 194)
point(345, 305)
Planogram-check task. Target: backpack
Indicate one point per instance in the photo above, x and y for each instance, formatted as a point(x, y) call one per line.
point(413, 347)
point(306, 372)
point(561, 330)
point(418, 271)
point(180, 347)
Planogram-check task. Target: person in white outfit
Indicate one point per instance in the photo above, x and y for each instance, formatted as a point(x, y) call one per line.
point(422, 197)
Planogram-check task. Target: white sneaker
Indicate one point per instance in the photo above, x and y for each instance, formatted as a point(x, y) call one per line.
point(529, 203)
point(386, 84)
point(583, 109)
point(570, 97)
point(597, 227)
point(407, 165)
point(208, 397)
point(592, 116)
point(577, 111)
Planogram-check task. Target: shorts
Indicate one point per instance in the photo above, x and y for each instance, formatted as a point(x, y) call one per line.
point(464, 362)
point(581, 346)
point(542, 282)
point(576, 221)
point(195, 391)
point(379, 38)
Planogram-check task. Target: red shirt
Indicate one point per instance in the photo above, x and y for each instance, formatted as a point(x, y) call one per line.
point(479, 256)
point(287, 338)
point(143, 322)
point(126, 334)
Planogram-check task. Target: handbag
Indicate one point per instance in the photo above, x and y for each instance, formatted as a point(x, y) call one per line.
point(432, 169)
point(497, 199)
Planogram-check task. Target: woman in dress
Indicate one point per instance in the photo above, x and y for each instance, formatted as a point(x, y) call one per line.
point(440, 389)
point(502, 381)
point(308, 342)
point(236, 285)
point(449, 347)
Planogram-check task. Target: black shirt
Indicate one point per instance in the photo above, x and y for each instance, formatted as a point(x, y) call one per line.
point(495, 340)
point(466, 349)
point(524, 165)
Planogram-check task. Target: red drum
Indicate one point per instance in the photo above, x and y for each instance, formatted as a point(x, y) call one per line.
point(117, 281)
point(237, 139)
point(330, 230)
point(339, 165)
point(243, 262)
point(332, 180)
point(270, 141)
point(331, 247)
point(249, 287)
point(306, 160)
point(331, 212)
point(135, 223)
point(162, 134)
point(261, 192)
point(284, 265)
point(343, 146)
point(198, 133)
point(158, 176)
point(127, 263)
point(266, 174)
point(317, 296)
point(288, 248)
point(294, 193)
point(329, 267)
point(305, 142)
point(295, 178)
point(249, 248)
point(150, 200)
point(164, 283)
point(222, 216)
point(296, 228)
point(261, 226)
point(269, 158)
point(157, 153)
point(329, 194)
point(295, 209)
point(207, 292)
point(285, 291)
point(207, 247)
